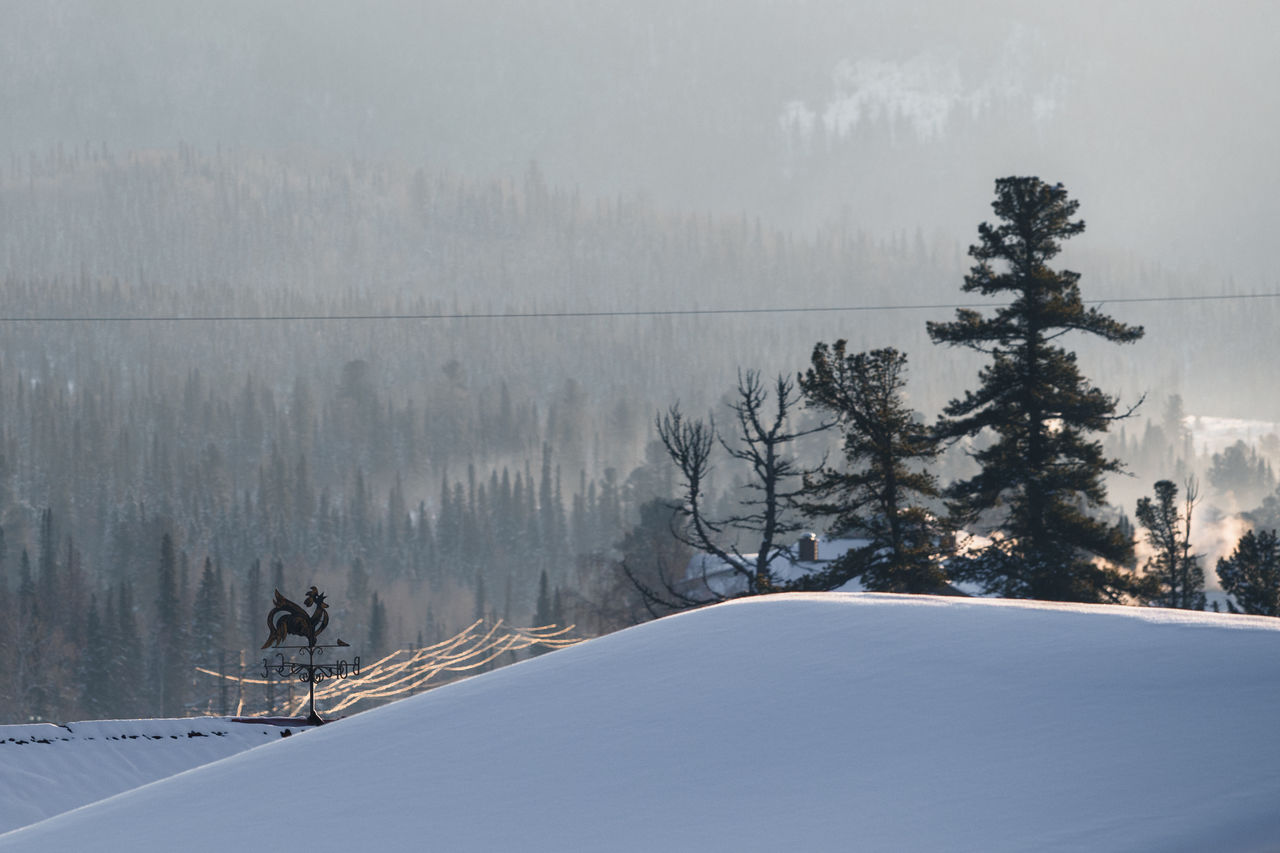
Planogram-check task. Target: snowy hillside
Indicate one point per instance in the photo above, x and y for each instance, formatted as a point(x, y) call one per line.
point(804, 722)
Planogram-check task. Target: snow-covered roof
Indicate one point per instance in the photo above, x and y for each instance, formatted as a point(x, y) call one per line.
point(721, 578)
point(47, 769)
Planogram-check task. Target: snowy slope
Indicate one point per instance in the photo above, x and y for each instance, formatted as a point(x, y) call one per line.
point(47, 769)
point(805, 722)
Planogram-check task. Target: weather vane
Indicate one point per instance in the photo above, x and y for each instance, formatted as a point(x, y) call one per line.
point(286, 618)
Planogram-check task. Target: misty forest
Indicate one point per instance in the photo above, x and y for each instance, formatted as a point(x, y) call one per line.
point(466, 315)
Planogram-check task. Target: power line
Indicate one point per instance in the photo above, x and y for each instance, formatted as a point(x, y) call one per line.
point(557, 315)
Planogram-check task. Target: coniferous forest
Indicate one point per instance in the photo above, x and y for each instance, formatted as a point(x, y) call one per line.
point(264, 372)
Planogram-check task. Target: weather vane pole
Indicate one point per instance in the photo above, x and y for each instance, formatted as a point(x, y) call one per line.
point(286, 618)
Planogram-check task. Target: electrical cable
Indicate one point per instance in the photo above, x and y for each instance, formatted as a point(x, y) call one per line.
point(560, 315)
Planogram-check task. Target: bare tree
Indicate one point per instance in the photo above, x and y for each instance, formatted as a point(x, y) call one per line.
point(762, 441)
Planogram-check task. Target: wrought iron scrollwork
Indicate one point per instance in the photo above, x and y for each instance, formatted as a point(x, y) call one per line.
point(287, 618)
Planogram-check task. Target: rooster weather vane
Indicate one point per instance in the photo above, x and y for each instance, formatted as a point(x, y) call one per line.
point(289, 618)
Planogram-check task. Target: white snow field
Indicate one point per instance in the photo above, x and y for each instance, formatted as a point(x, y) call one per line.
point(47, 769)
point(841, 722)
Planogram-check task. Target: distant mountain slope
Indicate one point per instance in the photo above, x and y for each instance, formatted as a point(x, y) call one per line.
point(807, 722)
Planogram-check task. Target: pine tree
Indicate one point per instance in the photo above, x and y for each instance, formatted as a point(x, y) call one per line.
point(547, 513)
point(377, 627)
point(26, 660)
point(7, 615)
point(209, 617)
point(255, 604)
point(277, 574)
point(95, 676)
point(1041, 475)
point(47, 586)
point(482, 600)
point(1174, 572)
point(126, 656)
point(881, 495)
point(358, 583)
point(1251, 575)
point(542, 609)
point(397, 511)
point(4, 565)
point(168, 653)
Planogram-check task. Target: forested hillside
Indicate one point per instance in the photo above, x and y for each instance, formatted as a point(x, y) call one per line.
point(310, 370)
point(442, 465)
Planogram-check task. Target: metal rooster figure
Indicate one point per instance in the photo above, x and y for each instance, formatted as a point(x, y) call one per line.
point(286, 618)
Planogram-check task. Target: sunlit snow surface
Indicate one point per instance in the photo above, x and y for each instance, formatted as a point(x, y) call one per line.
point(803, 722)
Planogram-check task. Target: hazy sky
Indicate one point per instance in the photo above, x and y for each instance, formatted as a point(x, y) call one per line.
point(1160, 116)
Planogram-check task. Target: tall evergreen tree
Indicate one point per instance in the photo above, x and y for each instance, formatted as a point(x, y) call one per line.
point(209, 617)
point(1251, 575)
point(377, 627)
point(1040, 483)
point(126, 659)
point(542, 608)
point(7, 615)
point(256, 604)
point(547, 513)
point(882, 493)
point(4, 567)
point(168, 653)
point(47, 586)
point(650, 557)
point(1174, 572)
point(26, 658)
point(277, 574)
point(482, 599)
point(358, 583)
point(95, 698)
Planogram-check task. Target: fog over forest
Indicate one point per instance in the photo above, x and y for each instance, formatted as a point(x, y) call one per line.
point(666, 193)
point(1160, 115)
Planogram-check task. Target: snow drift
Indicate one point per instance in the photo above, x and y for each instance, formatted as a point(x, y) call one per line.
point(800, 722)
